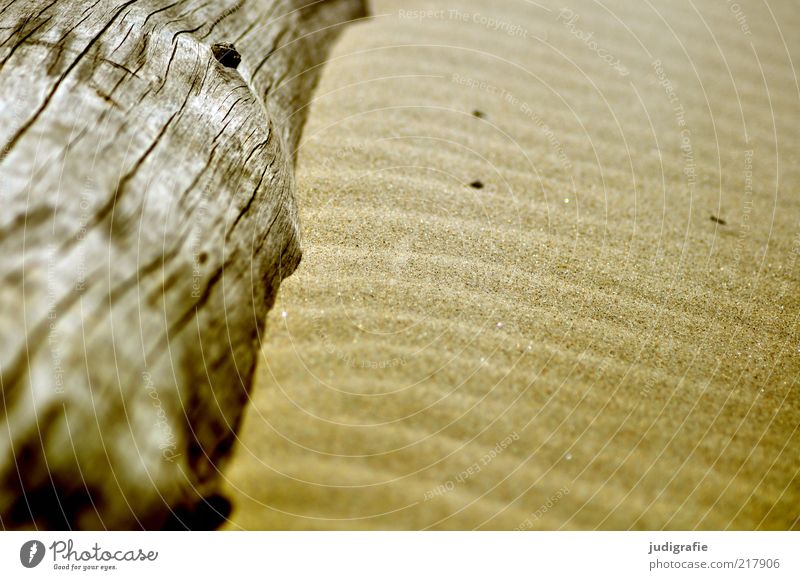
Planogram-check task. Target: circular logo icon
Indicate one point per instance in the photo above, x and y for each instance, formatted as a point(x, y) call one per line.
point(31, 553)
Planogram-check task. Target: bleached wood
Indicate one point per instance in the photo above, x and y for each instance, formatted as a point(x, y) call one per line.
point(147, 221)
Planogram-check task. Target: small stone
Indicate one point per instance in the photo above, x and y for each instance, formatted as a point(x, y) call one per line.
point(477, 184)
point(226, 54)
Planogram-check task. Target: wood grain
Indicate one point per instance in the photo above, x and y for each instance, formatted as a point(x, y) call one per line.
point(148, 220)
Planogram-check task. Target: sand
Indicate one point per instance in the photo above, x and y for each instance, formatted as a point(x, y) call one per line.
point(602, 336)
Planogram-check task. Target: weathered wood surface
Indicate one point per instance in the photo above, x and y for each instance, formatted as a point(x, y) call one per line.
point(147, 221)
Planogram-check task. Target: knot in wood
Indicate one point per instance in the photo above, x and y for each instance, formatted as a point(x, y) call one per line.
point(226, 54)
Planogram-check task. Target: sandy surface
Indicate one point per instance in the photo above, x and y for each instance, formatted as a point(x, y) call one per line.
point(575, 345)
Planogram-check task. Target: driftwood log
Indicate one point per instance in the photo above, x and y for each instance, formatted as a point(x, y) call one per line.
point(148, 218)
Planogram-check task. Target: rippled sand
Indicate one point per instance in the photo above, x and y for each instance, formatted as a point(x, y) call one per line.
point(603, 335)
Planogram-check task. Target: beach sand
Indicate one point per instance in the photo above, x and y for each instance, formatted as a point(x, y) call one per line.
point(602, 336)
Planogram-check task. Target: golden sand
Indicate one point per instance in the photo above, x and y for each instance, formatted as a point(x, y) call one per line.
point(603, 335)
